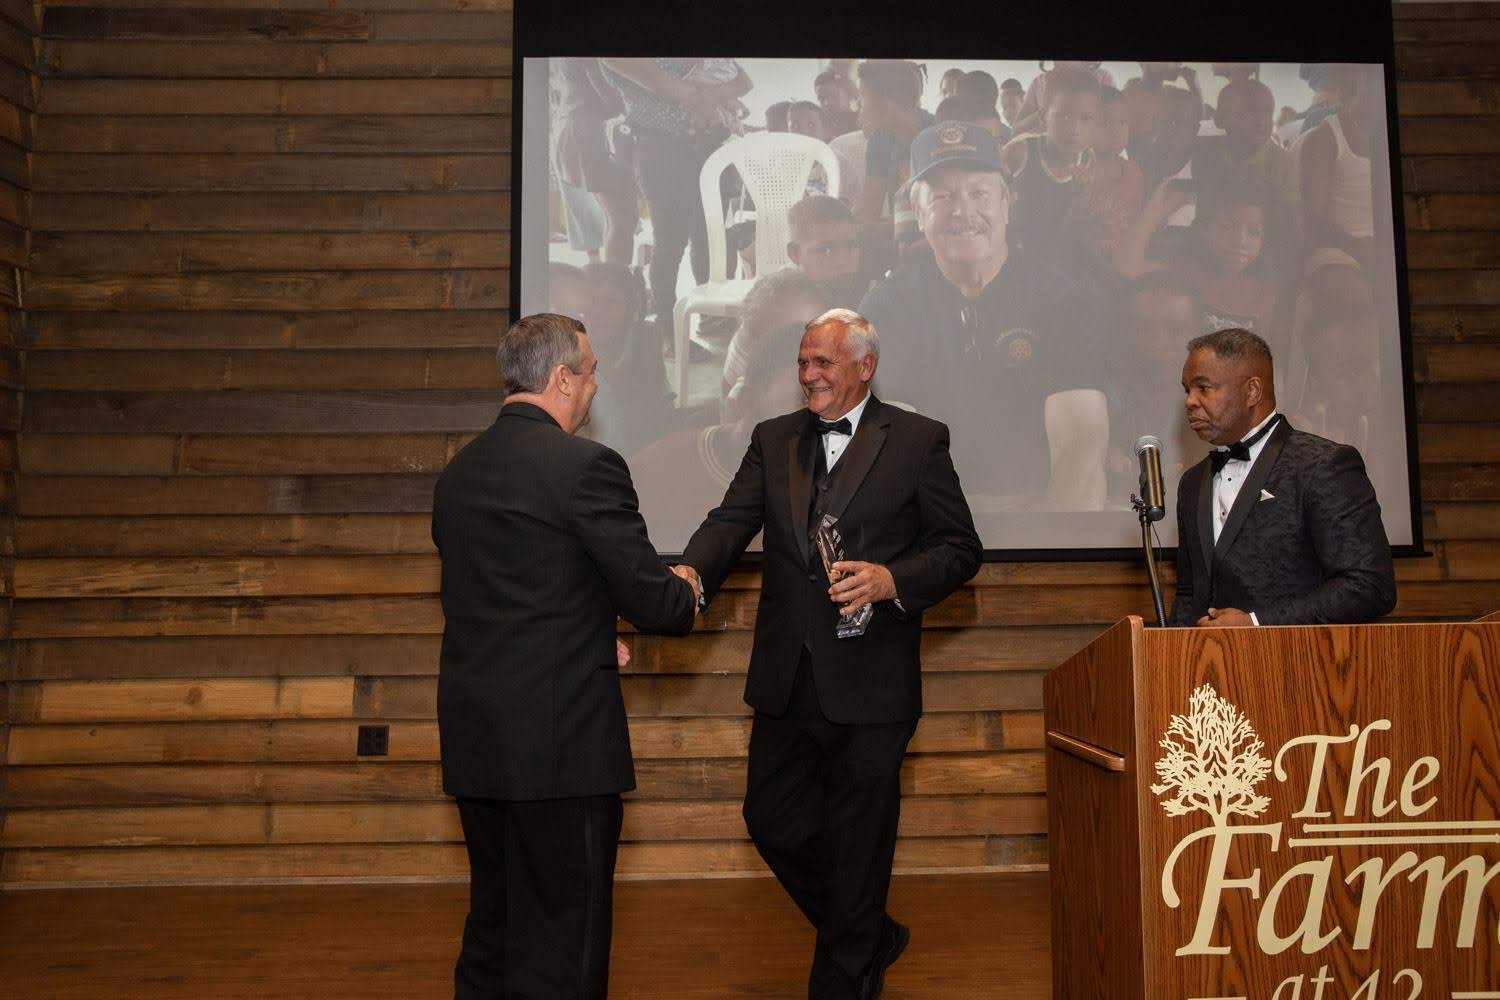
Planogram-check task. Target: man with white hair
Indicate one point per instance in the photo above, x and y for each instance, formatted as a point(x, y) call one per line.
point(833, 714)
point(992, 338)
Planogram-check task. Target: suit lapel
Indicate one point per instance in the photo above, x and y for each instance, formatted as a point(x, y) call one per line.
point(1249, 494)
point(860, 456)
point(799, 468)
point(1205, 517)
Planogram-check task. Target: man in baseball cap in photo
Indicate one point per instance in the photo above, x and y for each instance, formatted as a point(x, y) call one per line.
point(978, 335)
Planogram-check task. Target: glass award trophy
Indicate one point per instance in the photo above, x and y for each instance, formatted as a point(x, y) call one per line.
point(831, 548)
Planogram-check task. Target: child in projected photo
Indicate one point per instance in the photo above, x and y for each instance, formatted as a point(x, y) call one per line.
point(1247, 149)
point(1222, 258)
point(685, 474)
point(1114, 189)
point(1046, 172)
point(789, 295)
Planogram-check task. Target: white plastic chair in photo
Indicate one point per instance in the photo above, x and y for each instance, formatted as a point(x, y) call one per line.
point(775, 167)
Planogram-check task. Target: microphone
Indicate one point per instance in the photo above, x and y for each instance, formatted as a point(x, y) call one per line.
point(1148, 450)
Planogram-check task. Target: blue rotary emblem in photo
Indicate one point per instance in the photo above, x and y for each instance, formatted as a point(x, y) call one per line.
point(951, 135)
point(1016, 346)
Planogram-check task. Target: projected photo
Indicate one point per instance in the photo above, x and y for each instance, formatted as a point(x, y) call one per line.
point(1034, 241)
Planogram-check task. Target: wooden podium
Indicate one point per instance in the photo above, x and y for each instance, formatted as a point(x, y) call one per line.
point(1299, 813)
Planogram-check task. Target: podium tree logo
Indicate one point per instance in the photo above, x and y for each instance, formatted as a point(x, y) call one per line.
point(1213, 761)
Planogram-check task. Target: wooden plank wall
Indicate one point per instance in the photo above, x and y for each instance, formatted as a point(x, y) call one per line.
point(262, 295)
point(18, 40)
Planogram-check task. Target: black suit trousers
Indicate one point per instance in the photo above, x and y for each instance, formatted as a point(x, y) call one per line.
point(822, 803)
point(541, 897)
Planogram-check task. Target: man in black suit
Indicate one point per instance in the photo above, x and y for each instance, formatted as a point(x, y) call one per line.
point(833, 716)
point(1276, 526)
point(542, 546)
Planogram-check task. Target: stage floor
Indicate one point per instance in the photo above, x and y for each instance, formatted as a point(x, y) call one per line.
point(972, 936)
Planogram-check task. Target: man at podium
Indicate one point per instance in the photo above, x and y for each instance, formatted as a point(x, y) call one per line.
point(1276, 526)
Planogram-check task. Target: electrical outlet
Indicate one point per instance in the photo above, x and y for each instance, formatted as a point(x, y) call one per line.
point(374, 741)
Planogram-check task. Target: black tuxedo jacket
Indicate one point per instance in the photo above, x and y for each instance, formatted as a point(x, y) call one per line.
point(1313, 553)
point(542, 546)
point(899, 503)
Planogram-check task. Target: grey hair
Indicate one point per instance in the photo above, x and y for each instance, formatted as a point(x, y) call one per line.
point(536, 344)
point(859, 332)
point(1232, 344)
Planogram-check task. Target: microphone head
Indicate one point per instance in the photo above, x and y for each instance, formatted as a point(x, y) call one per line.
point(1147, 441)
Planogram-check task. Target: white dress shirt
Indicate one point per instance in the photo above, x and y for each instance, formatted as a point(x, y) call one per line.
point(835, 442)
point(1228, 480)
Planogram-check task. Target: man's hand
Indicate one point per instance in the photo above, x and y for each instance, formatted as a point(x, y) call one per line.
point(1225, 618)
point(689, 574)
point(622, 653)
point(861, 583)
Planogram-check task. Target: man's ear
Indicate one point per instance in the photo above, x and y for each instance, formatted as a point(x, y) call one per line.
point(867, 367)
point(1255, 390)
point(562, 379)
point(793, 253)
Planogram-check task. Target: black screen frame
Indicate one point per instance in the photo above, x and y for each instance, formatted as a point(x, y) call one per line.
point(1269, 31)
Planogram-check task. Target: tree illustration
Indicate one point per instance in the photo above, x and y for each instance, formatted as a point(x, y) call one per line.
point(1213, 761)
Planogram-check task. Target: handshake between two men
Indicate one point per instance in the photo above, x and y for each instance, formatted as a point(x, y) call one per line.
point(864, 527)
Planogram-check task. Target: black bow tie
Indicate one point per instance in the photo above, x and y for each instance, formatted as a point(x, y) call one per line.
point(839, 426)
point(1240, 450)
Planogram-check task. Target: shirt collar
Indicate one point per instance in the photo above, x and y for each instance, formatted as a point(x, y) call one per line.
point(859, 411)
point(1255, 449)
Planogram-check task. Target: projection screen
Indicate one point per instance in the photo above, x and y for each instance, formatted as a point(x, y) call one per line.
point(1135, 205)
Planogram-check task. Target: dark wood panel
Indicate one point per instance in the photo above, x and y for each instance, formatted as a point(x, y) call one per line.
point(282, 97)
point(267, 412)
point(219, 699)
point(1473, 29)
point(1439, 61)
point(167, 253)
point(1421, 174)
point(229, 454)
point(448, 861)
point(118, 783)
point(196, 133)
point(264, 656)
point(948, 651)
point(215, 329)
point(1465, 520)
point(209, 24)
point(271, 212)
point(21, 13)
point(140, 371)
point(1453, 212)
point(301, 534)
point(438, 6)
point(1458, 403)
point(333, 290)
point(73, 496)
point(1461, 482)
point(285, 60)
point(264, 26)
point(1480, 287)
point(1435, 251)
point(1459, 443)
point(733, 611)
point(956, 750)
point(1455, 323)
point(15, 205)
point(198, 576)
point(136, 172)
point(285, 616)
point(1415, 99)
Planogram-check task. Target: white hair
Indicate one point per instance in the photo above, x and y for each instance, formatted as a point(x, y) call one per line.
point(859, 333)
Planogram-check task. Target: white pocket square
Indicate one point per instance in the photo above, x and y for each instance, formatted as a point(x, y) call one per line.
point(1266, 495)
